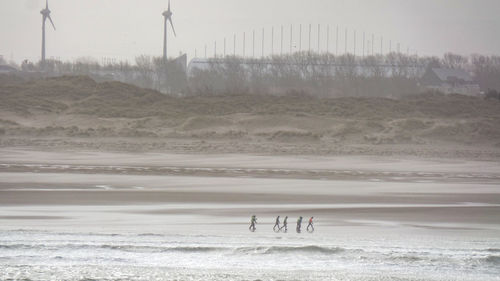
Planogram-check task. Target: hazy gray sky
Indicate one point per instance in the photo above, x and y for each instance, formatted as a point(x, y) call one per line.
point(123, 29)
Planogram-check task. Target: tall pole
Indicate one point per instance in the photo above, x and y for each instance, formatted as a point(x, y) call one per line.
point(253, 44)
point(354, 52)
point(300, 38)
point(327, 38)
point(291, 37)
point(337, 42)
point(309, 37)
point(318, 36)
point(390, 46)
point(364, 44)
point(224, 46)
point(373, 42)
point(215, 49)
point(244, 38)
point(234, 45)
point(164, 40)
point(205, 50)
point(262, 42)
point(272, 40)
point(281, 47)
point(345, 41)
point(381, 45)
point(43, 39)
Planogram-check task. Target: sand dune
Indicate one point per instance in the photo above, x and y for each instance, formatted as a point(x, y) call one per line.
point(78, 112)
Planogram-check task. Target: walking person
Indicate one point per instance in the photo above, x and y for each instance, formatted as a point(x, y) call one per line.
point(285, 223)
point(276, 227)
point(299, 224)
point(310, 225)
point(253, 221)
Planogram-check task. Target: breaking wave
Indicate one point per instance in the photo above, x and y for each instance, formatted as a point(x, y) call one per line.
point(493, 260)
point(186, 249)
point(304, 249)
point(409, 258)
point(289, 249)
point(125, 248)
point(162, 249)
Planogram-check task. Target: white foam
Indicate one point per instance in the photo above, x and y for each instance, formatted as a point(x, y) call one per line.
point(105, 187)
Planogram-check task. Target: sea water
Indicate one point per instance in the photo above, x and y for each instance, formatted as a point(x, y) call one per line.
point(201, 251)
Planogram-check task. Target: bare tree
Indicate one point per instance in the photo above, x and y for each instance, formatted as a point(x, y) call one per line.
point(486, 71)
point(451, 60)
point(145, 71)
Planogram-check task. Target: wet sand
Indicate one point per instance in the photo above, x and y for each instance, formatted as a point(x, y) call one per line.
point(338, 190)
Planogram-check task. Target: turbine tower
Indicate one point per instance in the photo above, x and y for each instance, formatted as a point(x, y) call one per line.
point(167, 15)
point(45, 14)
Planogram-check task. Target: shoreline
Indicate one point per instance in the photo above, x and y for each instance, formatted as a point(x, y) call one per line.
point(437, 150)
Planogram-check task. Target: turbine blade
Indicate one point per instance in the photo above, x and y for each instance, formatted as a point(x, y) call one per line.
point(52, 22)
point(169, 5)
point(47, 4)
point(170, 19)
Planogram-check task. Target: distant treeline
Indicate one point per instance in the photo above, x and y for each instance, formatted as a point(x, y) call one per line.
point(316, 74)
point(392, 75)
point(147, 72)
point(326, 75)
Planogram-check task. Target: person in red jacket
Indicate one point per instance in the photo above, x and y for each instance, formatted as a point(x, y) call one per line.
point(310, 225)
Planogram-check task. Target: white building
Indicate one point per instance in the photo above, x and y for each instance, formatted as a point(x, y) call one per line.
point(7, 69)
point(450, 81)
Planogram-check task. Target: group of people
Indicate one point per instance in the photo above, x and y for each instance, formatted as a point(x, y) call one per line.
point(277, 227)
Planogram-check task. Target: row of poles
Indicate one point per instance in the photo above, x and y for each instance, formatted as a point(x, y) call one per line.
point(368, 46)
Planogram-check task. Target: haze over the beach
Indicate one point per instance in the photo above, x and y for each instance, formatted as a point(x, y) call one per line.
point(374, 155)
point(124, 29)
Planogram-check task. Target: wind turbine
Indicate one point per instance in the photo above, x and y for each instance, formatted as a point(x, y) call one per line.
point(167, 15)
point(45, 14)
